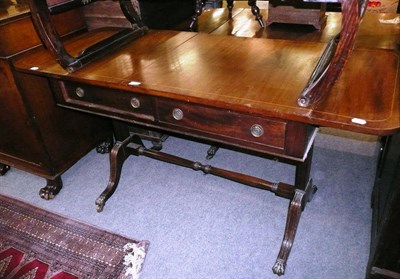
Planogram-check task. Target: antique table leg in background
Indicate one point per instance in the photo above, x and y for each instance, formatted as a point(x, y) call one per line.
point(201, 3)
point(254, 9)
point(256, 12)
point(199, 10)
point(229, 4)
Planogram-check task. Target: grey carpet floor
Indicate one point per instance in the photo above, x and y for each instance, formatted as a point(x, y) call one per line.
point(202, 226)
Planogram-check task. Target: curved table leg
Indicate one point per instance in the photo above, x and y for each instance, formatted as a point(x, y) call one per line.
point(296, 207)
point(4, 169)
point(52, 188)
point(292, 222)
point(118, 155)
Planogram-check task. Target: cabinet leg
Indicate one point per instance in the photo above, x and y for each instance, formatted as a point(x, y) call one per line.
point(52, 188)
point(4, 169)
point(119, 153)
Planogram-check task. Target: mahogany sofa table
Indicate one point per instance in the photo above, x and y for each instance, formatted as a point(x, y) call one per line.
point(206, 87)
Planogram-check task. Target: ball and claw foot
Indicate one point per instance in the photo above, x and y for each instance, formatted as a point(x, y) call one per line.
point(279, 267)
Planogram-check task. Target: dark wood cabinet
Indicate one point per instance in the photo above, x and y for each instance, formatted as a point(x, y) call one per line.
point(36, 135)
point(385, 242)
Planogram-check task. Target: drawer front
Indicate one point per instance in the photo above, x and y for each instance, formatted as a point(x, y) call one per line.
point(235, 126)
point(106, 100)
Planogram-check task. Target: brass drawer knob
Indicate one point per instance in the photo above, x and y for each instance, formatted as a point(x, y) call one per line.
point(257, 130)
point(135, 103)
point(177, 114)
point(80, 92)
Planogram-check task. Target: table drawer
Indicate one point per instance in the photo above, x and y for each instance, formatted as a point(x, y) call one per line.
point(101, 99)
point(235, 126)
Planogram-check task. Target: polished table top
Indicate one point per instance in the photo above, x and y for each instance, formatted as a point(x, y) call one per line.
point(253, 75)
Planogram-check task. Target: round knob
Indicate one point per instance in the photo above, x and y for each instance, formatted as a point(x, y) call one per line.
point(177, 114)
point(257, 130)
point(80, 92)
point(135, 103)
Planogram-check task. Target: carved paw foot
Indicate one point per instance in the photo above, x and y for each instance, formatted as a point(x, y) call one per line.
point(211, 152)
point(4, 169)
point(104, 147)
point(279, 267)
point(52, 188)
point(100, 203)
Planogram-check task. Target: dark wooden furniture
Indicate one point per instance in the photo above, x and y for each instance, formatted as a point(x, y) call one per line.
point(180, 82)
point(206, 114)
point(384, 259)
point(37, 136)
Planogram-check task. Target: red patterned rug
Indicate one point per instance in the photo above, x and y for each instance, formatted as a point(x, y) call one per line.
point(37, 244)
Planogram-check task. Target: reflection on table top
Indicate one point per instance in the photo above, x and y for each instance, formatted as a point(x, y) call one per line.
point(372, 33)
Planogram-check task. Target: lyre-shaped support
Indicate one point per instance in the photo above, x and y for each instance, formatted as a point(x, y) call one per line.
point(333, 60)
point(41, 16)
